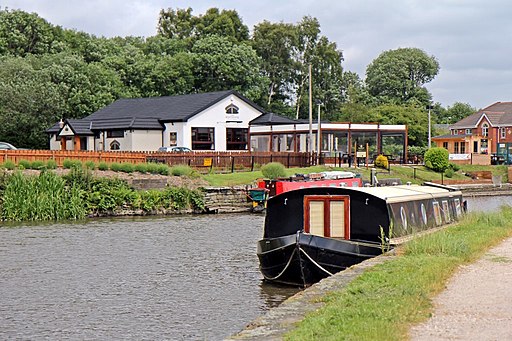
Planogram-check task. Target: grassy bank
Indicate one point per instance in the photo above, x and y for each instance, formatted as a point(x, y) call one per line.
point(406, 173)
point(385, 301)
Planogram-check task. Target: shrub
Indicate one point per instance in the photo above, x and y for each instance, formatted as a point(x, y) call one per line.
point(273, 170)
point(24, 164)
point(449, 172)
point(127, 167)
point(115, 166)
point(38, 164)
point(51, 164)
point(181, 170)
point(141, 167)
point(163, 169)
point(90, 165)
point(68, 164)
point(455, 167)
point(437, 159)
point(103, 166)
point(9, 164)
point(152, 167)
point(381, 161)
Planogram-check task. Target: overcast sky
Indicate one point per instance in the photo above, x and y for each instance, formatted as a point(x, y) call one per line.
point(471, 39)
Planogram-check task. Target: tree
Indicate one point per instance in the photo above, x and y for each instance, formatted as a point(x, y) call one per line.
point(177, 23)
point(456, 112)
point(23, 33)
point(397, 76)
point(274, 43)
point(220, 64)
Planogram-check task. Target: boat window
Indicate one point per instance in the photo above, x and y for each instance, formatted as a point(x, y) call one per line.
point(404, 217)
point(446, 211)
point(337, 219)
point(424, 214)
point(437, 213)
point(458, 209)
point(327, 215)
point(316, 218)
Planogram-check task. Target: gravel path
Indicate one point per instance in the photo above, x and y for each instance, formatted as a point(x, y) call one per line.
point(477, 302)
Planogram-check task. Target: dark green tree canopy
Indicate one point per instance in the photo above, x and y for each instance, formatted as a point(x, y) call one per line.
point(398, 76)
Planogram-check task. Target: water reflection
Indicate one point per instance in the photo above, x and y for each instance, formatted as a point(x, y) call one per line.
point(487, 203)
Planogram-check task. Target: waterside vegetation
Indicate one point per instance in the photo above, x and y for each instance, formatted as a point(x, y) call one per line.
point(384, 302)
point(78, 194)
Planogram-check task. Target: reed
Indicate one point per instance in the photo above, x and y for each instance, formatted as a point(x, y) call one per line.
point(385, 301)
point(43, 197)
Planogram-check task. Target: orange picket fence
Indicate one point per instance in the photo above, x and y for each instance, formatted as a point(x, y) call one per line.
point(224, 161)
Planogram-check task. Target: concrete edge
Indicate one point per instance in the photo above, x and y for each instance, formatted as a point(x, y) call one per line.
point(279, 320)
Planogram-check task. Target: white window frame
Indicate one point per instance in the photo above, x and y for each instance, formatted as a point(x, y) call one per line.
point(503, 133)
point(485, 130)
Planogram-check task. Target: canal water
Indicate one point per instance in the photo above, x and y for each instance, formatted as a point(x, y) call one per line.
point(172, 278)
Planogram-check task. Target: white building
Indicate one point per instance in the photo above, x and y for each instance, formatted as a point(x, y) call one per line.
point(209, 121)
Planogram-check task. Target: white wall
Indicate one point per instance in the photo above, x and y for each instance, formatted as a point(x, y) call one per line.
point(145, 140)
point(216, 117)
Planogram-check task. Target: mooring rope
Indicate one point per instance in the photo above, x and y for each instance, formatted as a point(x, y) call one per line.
point(285, 268)
point(315, 263)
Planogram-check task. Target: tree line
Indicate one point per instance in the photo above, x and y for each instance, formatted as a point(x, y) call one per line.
point(48, 72)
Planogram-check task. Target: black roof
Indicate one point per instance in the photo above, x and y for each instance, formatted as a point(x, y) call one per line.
point(166, 109)
point(147, 113)
point(272, 119)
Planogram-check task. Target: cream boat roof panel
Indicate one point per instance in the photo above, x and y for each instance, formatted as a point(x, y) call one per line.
point(406, 192)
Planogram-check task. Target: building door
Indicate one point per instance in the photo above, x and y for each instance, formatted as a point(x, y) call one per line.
point(475, 146)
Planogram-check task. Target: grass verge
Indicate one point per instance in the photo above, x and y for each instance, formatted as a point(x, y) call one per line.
point(384, 302)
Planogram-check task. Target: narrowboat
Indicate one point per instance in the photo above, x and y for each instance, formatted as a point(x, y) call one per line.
point(312, 233)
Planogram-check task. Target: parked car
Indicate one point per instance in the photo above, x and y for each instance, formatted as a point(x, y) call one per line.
point(5, 145)
point(175, 149)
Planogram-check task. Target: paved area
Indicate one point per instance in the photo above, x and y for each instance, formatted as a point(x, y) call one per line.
point(477, 303)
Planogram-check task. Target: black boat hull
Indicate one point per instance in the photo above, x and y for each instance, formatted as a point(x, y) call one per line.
point(303, 259)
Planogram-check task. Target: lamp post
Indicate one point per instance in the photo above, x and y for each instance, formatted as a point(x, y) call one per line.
point(318, 133)
point(429, 107)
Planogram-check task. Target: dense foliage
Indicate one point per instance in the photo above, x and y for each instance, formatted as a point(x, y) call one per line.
point(78, 194)
point(48, 72)
point(273, 170)
point(437, 159)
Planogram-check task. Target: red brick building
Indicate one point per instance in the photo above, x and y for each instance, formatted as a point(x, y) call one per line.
point(481, 137)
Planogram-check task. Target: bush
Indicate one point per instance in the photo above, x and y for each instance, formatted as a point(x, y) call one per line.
point(68, 164)
point(115, 167)
point(127, 167)
point(141, 168)
point(449, 172)
point(90, 165)
point(273, 170)
point(163, 169)
point(38, 164)
point(381, 162)
point(437, 159)
point(51, 164)
point(152, 167)
point(103, 166)
point(9, 164)
point(181, 170)
point(24, 164)
point(455, 167)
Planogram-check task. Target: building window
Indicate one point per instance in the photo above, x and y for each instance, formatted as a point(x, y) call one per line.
point(203, 138)
point(445, 145)
point(485, 130)
point(173, 139)
point(456, 148)
point(236, 138)
point(462, 148)
point(114, 145)
point(115, 133)
point(455, 132)
point(231, 109)
point(503, 133)
point(468, 131)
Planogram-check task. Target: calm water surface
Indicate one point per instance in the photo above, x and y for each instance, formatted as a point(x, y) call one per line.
point(173, 278)
point(488, 203)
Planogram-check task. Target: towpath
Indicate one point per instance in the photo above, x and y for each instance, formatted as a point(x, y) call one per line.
point(477, 302)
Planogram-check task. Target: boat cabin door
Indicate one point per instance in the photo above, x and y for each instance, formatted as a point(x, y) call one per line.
point(327, 215)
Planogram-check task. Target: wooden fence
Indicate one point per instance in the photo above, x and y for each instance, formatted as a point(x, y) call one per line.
point(221, 161)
